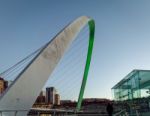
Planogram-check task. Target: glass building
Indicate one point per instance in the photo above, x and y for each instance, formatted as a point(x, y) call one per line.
point(135, 85)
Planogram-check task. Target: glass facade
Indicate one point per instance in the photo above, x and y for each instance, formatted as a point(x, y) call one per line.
point(135, 85)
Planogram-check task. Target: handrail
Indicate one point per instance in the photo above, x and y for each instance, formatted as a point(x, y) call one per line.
point(39, 112)
point(13, 111)
point(122, 111)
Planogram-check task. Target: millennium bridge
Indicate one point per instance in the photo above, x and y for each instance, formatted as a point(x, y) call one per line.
point(26, 86)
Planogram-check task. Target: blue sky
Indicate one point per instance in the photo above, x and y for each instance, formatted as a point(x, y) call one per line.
point(122, 35)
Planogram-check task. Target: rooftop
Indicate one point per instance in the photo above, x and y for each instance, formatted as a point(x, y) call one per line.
point(141, 73)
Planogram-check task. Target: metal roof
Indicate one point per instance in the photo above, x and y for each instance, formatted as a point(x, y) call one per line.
point(143, 73)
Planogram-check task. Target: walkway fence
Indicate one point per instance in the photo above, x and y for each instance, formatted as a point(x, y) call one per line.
point(53, 112)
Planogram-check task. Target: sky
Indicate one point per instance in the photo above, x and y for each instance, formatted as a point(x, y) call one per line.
point(122, 36)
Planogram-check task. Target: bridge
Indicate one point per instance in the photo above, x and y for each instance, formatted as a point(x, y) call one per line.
point(24, 89)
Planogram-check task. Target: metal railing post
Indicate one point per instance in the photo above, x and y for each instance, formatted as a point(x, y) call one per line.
point(54, 113)
point(38, 113)
point(16, 113)
point(0, 113)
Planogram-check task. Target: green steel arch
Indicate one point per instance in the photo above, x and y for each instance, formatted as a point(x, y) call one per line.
point(91, 24)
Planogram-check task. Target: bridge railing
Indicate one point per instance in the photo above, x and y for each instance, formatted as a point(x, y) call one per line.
point(121, 113)
point(15, 112)
point(40, 113)
point(54, 113)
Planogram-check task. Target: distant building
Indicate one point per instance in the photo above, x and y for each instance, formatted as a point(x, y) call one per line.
point(97, 100)
point(44, 93)
point(68, 104)
point(40, 99)
point(57, 99)
point(65, 101)
point(3, 85)
point(48, 98)
point(41, 93)
point(50, 95)
point(95, 105)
